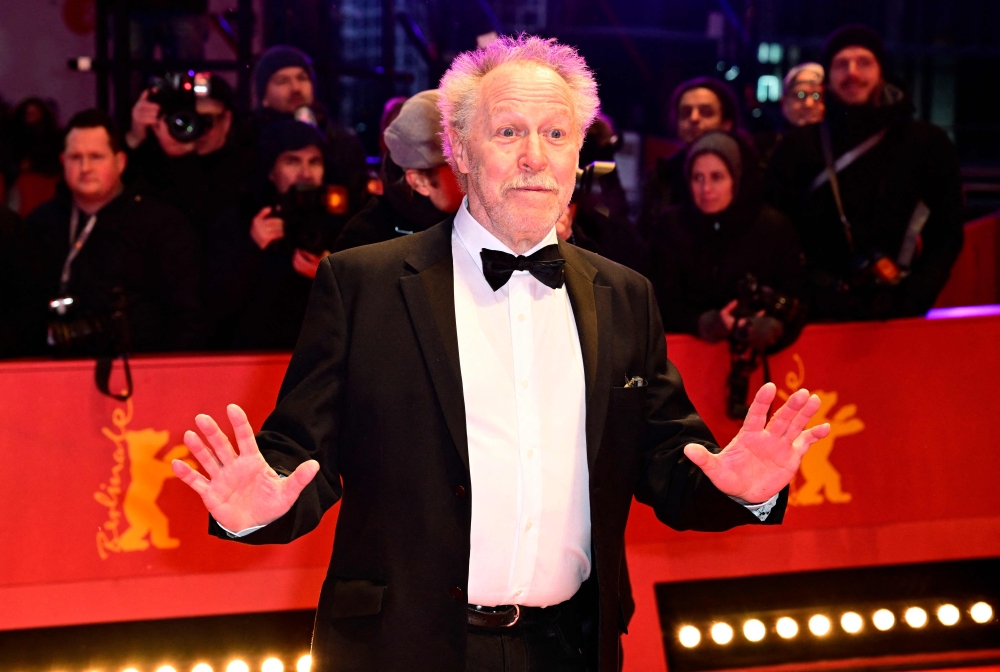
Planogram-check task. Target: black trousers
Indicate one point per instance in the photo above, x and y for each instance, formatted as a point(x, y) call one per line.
point(544, 640)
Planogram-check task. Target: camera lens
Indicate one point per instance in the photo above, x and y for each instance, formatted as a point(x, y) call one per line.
point(185, 126)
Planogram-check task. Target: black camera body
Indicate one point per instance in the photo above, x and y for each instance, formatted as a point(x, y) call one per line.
point(306, 214)
point(72, 330)
point(752, 299)
point(177, 95)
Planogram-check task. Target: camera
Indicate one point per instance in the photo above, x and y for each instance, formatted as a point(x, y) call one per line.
point(74, 330)
point(306, 212)
point(177, 95)
point(752, 299)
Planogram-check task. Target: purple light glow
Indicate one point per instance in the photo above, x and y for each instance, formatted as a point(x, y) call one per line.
point(963, 311)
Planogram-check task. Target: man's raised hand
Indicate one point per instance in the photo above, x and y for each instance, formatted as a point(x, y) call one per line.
point(764, 456)
point(241, 490)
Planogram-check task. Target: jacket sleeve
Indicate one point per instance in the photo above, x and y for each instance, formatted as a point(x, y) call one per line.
point(942, 236)
point(306, 422)
point(679, 492)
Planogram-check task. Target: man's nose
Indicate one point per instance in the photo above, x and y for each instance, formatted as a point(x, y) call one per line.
point(533, 158)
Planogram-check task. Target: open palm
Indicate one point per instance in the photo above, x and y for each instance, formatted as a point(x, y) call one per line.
point(241, 490)
point(763, 458)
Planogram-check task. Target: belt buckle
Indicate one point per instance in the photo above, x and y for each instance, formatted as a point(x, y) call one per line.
point(517, 616)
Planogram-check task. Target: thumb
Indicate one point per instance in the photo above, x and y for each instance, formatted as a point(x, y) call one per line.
point(701, 456)
point(300, 478)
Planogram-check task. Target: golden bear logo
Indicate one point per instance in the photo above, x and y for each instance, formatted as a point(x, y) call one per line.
point(147, 474)
point(818, 481)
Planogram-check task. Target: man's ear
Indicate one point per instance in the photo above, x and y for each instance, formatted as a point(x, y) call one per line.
point(458, 151)
point(418, 182)
point(121, 161)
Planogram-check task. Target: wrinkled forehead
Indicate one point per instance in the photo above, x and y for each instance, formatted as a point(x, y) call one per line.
point(525, 88)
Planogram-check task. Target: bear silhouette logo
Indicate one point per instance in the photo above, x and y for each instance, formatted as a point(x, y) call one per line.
point(147, 524)
point(818, 481)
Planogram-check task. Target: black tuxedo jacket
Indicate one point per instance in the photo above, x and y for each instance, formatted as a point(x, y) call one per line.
point(374, 393)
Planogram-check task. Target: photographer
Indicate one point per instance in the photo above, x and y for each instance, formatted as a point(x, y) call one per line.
point(420, 187)
point(102, 245)
point(285, 83)
point(876, 195)
point(263, 254)
point(704, 252)
point(201, 173)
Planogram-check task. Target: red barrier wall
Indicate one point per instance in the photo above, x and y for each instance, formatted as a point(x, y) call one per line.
point(93, 527)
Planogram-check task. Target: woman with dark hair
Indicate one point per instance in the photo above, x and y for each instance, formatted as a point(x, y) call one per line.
point(31, 166)
point(704, 251)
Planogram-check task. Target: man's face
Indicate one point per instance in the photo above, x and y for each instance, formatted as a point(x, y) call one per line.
point(440, 186)
point(711, 184)
point(698, 112)
point(855, 75)
point(91, 168)
point(288, 89)
point(301, 167)
point(803, 103)
point(222, 119)
point(521, 153)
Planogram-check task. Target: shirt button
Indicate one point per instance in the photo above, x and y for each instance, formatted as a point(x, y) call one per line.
point(524, 384)
point(458, 593)
point(531, 453)
point(460, 491)
point(528, 526)
point(517, 594)
point(520, 318)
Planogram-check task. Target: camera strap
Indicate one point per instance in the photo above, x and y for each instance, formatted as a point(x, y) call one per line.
point(831, 173)
point(76, 244)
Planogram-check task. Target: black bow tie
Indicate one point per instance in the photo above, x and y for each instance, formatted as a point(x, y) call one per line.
point(545, 264)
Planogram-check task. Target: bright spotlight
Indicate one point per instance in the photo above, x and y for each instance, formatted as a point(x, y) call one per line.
point(981, 612)
point(722, 633)
point(948, 614)
point(690, 636)
point(202, 667)
point(754, 630)
point(237, 666)
point(304, 664)
point(130, 669)
point(272, 665)
point(787, 627)
point(852, 623)
point(165, 668)
point(884, 619)
point(915, 617)
point(819, 625)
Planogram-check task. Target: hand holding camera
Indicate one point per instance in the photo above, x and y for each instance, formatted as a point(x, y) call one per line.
point(266, 228)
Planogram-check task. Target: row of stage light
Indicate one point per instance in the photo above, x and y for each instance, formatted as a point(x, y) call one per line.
point(820, 625)
point(303, 664)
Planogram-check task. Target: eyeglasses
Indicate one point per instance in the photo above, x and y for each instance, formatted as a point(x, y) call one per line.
point(802, 95)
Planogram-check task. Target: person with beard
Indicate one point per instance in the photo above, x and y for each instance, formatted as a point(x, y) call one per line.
point(200, 178)
point(697, 106)
point(702, 250)
point(285, 84)
point(258, 275)
point(876, 195)
point(420, 188)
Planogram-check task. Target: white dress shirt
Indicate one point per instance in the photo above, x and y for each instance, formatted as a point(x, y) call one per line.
point(525, 410)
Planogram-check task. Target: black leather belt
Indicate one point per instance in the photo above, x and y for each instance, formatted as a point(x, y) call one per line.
point(509, 615)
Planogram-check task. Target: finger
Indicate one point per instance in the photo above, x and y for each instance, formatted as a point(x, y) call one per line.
point(293, 486)
point(757, 415)
point(731, 306)
point(241, 428)
point(198, 483)
point(206, 458)
point(811, 436)
point(803, 417)
point(784, 415)
point(702, 457)
point(216, 438)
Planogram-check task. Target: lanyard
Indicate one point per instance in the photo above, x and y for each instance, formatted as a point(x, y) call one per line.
point(76, 244)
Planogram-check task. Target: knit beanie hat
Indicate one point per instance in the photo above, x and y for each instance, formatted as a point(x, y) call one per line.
point(277, 57)
point(414, 137)
point(722, 145)
point(809, 72)
point(287, 135)
point(727, 100)
point(854, 35)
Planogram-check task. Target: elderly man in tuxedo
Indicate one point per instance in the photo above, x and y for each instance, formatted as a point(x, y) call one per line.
point(485, 401)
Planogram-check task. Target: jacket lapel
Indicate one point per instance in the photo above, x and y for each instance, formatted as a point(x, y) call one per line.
point(428, 286)
point(592, 310)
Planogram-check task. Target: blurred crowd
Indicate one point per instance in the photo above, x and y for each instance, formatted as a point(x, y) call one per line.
point(196, 229)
